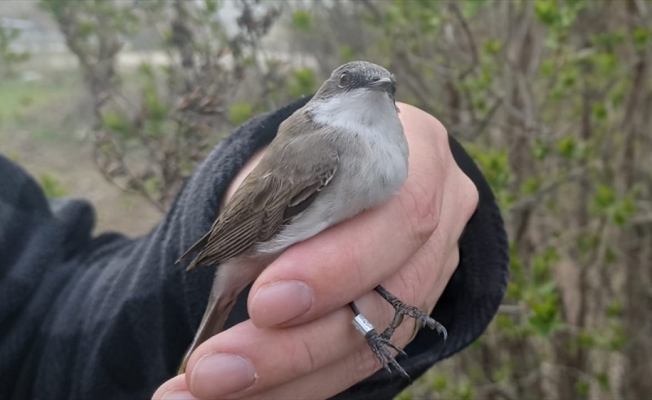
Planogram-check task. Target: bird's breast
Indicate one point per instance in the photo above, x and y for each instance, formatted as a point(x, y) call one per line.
point(372, 167)
point(378, 172)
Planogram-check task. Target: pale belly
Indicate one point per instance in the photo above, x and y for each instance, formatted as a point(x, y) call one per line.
point(357, 186)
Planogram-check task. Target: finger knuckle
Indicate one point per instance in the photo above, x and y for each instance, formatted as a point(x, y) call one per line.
point(469, 196)
point(411, 284)
point(421, 211)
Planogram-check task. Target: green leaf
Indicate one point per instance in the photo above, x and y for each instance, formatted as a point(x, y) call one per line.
point(544, 305)
point(582, 387)
point(567, 147)
point(586, 339)
point(514, 291)
point(618, 340)
point(568, 78)
point(503, 372)
point(146, 69)
point(615, 309)
point(51, 186)
point(239, 113)
point(439, 383)
point(623, 211)
point(346, 53)
point(547, 289)
point(85, 29)
point(603, 380)
point(546, 11)
point(641, 36)
point(608, 41)
point(156, 110)
point(545, 327)
point(153, 185)
point(116, 122)
point(628, 206)
point(302, 20)
point(600, 111)
point(607, 63)
point(531, 185)
point(618, 94)
point(470, 8)
point(619, 218)
point(540, 150)
point(541, 266)
point(504, 322)
point(211, 6)
point(492, 46)
point(465, 392)
point(303, 82)
point(610, 256)
point(604, 197)
point(548, 68)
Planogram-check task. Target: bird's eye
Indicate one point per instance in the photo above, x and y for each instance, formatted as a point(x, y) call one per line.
point(345, 79)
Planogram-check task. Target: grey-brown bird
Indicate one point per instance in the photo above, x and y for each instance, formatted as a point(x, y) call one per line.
point(340, 154)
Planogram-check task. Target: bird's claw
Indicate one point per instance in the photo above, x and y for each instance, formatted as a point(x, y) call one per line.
point(403, 309)
point(379, 345)
point(422, 318)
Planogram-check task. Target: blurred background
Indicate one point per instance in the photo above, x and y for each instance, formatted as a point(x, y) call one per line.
point(117, 102)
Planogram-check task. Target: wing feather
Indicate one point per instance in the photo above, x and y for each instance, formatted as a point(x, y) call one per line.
point(280, 195)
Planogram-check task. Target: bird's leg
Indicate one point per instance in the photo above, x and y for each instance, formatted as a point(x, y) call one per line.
point(403, 309)
point(396, 322)
point(378, 343)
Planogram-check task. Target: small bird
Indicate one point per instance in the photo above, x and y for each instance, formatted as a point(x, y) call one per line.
point(340, 154)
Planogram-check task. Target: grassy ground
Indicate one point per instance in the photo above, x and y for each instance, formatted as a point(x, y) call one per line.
point(43, 127)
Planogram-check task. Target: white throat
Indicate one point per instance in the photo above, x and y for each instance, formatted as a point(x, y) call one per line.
point(358, 110)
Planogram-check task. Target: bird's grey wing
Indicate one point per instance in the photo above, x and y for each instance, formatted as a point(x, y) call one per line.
point(267, 199)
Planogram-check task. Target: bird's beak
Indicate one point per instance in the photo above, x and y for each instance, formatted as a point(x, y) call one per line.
point(382, 84)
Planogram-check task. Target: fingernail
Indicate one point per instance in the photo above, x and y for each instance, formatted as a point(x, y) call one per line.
point(279, 302)
point(179, 395)
point(217, 375)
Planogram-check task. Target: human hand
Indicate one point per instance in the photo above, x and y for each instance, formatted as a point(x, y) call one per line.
point(409, 245)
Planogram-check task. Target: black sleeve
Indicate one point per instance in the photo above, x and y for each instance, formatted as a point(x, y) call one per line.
point(109, 317)
point(470, 300)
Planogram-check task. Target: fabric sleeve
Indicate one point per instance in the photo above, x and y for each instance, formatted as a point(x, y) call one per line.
point(106, 317)
point(110, 316)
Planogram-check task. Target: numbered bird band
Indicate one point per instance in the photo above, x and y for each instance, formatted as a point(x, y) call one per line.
point(362, 324)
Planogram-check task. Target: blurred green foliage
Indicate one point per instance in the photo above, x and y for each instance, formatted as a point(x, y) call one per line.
point(152, 127)
point(51, 186)
point(551, 98)
point(9, 58)
point(302, 21)
point(239, 113)
point(302, 82)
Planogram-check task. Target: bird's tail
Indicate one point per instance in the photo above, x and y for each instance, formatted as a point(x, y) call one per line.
point(231, 279)
point(218, 310)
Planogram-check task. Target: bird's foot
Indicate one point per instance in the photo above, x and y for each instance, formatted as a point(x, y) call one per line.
point(379, 345)
point(402, 310)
